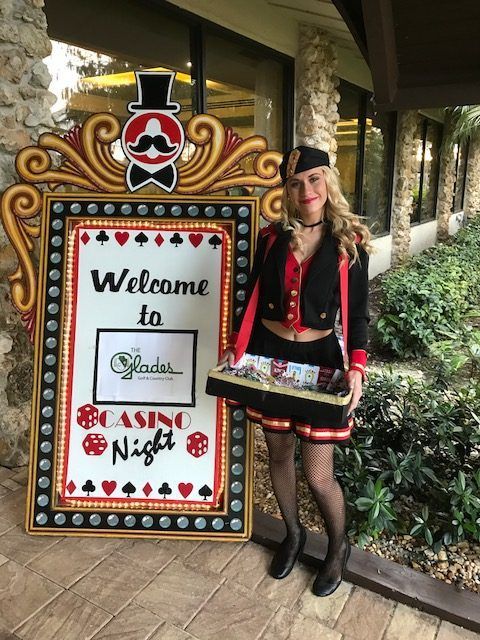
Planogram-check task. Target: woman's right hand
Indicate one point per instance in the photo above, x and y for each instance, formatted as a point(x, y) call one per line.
point(227, 357)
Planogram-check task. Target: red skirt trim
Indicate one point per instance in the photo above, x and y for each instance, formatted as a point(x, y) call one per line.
point(304, 430)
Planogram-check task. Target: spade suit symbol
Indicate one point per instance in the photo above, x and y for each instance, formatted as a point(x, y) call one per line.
point(215, 241)
point(141, 238)
point(129, 488)
point(205, 492)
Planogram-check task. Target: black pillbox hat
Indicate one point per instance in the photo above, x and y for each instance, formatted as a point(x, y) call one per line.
point(301, 159)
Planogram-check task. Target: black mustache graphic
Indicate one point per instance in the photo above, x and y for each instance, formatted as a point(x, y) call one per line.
point(159, 142)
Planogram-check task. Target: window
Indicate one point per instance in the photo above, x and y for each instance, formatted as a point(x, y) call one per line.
point(428, 139)
point(348, 148)
point(365, 156)
point(93, 82)
point(244, 89)
point(378, 169)
point(96, 48)
point(461, 157)
point(92, 65)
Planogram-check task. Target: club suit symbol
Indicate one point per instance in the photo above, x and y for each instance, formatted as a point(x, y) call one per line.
point(153, 137)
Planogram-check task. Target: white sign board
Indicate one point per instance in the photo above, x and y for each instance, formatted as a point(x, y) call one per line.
point(143, 317)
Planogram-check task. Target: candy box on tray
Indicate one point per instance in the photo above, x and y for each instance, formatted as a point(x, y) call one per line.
point(283, 387)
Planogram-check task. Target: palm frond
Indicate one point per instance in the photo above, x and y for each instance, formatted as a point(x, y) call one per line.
point(466, 122)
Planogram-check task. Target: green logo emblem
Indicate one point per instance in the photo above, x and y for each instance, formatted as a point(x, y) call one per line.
point(126, 365)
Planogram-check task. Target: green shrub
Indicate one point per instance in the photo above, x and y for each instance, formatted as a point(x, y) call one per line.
point(375, 501)
point(465, 505)
point(459, 354)
point(415, 439)
point(428, 298)
point(413, 465)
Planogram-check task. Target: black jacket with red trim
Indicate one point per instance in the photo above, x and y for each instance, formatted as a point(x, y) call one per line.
point(320, 295)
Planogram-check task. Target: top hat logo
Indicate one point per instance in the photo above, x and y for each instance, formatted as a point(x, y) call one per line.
point(154, 89)
point(153, 137)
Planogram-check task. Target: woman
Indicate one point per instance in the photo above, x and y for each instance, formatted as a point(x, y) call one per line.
point(296, 270)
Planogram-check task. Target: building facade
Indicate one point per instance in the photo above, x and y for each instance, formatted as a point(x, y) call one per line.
point(287, 70)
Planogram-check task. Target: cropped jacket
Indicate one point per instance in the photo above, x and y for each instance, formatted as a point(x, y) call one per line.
point(320, 295)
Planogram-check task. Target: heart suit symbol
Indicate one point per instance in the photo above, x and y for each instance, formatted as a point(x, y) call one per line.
point(185, 488)
point(121, 237)
point(195, 238)
point(109, 486)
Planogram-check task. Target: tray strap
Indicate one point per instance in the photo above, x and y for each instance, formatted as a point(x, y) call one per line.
point(343, 268)
point(249, 317)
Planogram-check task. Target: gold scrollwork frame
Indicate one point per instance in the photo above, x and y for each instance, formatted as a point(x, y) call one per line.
point(87, 162)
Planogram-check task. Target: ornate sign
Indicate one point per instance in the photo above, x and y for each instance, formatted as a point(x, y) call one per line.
point(131, 308)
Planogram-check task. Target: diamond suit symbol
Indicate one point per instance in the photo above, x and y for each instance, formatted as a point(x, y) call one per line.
point(147, 489)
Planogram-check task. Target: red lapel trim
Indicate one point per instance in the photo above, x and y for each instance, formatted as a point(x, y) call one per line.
point(343, 268)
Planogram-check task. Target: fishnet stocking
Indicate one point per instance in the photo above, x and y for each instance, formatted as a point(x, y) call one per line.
point(281, 449)
point(318, 467)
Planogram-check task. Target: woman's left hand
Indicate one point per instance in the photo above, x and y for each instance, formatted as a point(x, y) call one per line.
point(354, 381)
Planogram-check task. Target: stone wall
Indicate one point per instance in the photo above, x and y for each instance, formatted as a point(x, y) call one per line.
point(403, 185)
point(446, 182)
point(24, 79)
point(316, 93)
point(24, 113)
point(472, 187)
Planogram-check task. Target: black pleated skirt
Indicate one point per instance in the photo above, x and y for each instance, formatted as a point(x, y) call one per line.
point(325, 352)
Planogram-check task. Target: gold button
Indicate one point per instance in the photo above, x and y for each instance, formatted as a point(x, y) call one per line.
point(270, 305)
point(323, 315)
point(293, 304)
point(290, 316)
point(293, 292)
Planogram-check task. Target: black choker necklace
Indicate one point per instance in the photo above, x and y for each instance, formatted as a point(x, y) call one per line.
point(315, 224)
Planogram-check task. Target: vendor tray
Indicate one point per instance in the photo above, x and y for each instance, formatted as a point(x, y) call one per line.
point(316, 406)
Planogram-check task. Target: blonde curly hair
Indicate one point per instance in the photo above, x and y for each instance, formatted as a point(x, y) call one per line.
point(345, 224)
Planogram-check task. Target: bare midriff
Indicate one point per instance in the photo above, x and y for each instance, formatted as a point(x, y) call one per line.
point(289, 333)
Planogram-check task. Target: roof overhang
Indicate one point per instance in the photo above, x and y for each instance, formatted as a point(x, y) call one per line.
point(420, 54)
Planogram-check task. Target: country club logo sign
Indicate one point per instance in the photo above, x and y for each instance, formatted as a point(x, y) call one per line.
point(153, 138)
point(126, 364)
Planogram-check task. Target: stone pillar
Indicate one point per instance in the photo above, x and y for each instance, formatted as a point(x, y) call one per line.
point(24, 79)
point(24, 113)
point(317, 95)
point(472, 186)
point(403, 185)
point(446, 182)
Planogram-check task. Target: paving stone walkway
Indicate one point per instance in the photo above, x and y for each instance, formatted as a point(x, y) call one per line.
point(106, 589)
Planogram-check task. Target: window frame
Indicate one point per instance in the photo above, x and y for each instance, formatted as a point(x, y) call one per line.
point(457, 163)
point(364, 97)
point(417, 219)
point(198, 27)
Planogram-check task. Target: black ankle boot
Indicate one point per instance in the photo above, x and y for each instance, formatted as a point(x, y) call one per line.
point(325, 586)
point(286, 556)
